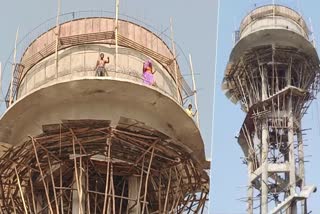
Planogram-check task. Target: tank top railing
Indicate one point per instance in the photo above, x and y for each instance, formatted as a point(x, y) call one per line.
point(126, 74)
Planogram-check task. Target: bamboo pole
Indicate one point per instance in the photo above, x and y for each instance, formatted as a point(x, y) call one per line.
point(57, 37)
point(53, 185)
point(13, 67)
point(194, 90)
point(107, 175)
point(87, 188)
point(42, 176)
point(1, 212)
point(174, 60)
point(122, 194)
point(159, 193)
point(140, 184)
point(167, 194)
point(60, 169)
point(116, 35)
point(146, 183)
point(113, 191)
point(21, 192)
point(13, 204)
point(312, 33)
point(96, 198)
point(80, 181)
point(76, 175)
point(32, 194)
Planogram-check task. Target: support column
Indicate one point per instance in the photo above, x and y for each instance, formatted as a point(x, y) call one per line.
point(301, 167)
point(133, 186)
point(292, 172)
point(264, 148)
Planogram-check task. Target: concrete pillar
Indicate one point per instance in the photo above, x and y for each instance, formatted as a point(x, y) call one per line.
point(301, 167)
point(133, 192)
point(292, 172)
point(264, 148)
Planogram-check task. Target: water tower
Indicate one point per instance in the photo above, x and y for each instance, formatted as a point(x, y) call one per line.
point(82, 143)
point(273, 72)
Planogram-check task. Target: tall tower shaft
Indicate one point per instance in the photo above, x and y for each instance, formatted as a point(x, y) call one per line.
point(273, 72)
point(83, 143)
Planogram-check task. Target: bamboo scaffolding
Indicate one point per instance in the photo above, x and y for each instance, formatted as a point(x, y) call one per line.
point(275, 86)
point(77, 158)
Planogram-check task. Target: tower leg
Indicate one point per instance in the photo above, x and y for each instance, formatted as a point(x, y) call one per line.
point(264, 149)
point(301, 166)
point(264, 164)
point(292, 172)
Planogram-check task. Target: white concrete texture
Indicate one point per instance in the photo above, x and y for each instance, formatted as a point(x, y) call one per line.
point(80, 61)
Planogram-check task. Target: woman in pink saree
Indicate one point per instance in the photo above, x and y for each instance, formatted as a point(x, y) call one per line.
point(148, 77)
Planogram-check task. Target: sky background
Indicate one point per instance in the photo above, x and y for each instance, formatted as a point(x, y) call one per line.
point(229, 174)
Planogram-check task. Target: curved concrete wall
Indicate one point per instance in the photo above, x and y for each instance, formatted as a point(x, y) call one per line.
point(80, 42)
point(101, 99)
point(80, 61)
point(86, 26)
point(273, 17)
point(47, 95)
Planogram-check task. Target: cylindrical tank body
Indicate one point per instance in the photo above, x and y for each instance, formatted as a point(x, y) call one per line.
point(46, 95)
point(140, 150)
point(273, 17)
point(82, 40)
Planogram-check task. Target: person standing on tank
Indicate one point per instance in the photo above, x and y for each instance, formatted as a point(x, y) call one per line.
point(100, 66)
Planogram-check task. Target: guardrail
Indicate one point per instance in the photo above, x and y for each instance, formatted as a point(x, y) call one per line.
point(280, 3)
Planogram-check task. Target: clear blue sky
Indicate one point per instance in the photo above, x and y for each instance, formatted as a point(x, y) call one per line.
point(229, 174)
